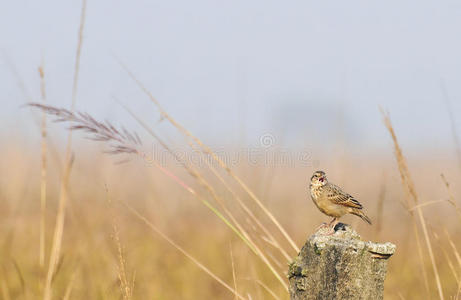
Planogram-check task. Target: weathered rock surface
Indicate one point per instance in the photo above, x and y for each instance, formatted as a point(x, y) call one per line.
point(339, 266)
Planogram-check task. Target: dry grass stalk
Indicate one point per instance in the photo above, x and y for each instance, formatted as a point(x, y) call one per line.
point(270, 238)
point(20, 277)
point(5, 290)
point(78, 54)
point(451, 198)
point(184, 252)
point(70, 285)
point(447, 257)
point(426, 204)
point(265, 287)
point(402, 171)
point(453, 247)
point(19, 80)
point(240, 230)
point(216, 158)
point(122, 141)
point(55, 154)
point(458, 293)
point(43, 172)
point(233, 269)
point(58, 232)
point(246, 237)
point(379, 208)
point(125, 285)
point(63, 194)
point(452, 124)
point(409, 186)
point(401, 296)
point(197, 176)
point(126, 288)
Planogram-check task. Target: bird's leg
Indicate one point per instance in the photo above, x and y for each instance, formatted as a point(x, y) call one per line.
point(332, 225)
point(333, 222)
point(323, 225)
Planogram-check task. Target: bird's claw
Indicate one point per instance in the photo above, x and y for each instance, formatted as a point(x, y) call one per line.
point(323, 225)
point(331, 230)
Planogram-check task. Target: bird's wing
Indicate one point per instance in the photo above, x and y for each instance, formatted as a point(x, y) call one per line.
point(337, 196)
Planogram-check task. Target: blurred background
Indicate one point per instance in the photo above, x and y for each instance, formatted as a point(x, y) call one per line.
point(252, 66)
point(278, 90)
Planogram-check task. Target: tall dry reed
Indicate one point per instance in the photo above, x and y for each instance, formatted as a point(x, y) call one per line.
point(215, 157)
point(63, 198)
point(412, 200)
point(43, 171)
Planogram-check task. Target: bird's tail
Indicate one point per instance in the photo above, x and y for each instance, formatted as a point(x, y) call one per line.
point(359, 213)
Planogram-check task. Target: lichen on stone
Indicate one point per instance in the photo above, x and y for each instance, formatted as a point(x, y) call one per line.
point(336, 266)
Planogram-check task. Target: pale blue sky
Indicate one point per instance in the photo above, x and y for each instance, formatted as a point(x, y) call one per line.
point(233, 70)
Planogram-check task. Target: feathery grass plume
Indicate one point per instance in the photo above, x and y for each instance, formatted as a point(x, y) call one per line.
point(121, 141)
point(409, 186)
point(215, 157)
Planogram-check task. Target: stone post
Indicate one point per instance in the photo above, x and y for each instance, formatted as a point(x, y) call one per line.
point(339, 266)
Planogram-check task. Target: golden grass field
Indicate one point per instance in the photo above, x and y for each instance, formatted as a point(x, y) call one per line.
point(120, 220)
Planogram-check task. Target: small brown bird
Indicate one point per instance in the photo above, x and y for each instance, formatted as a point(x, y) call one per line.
point(332, 201)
